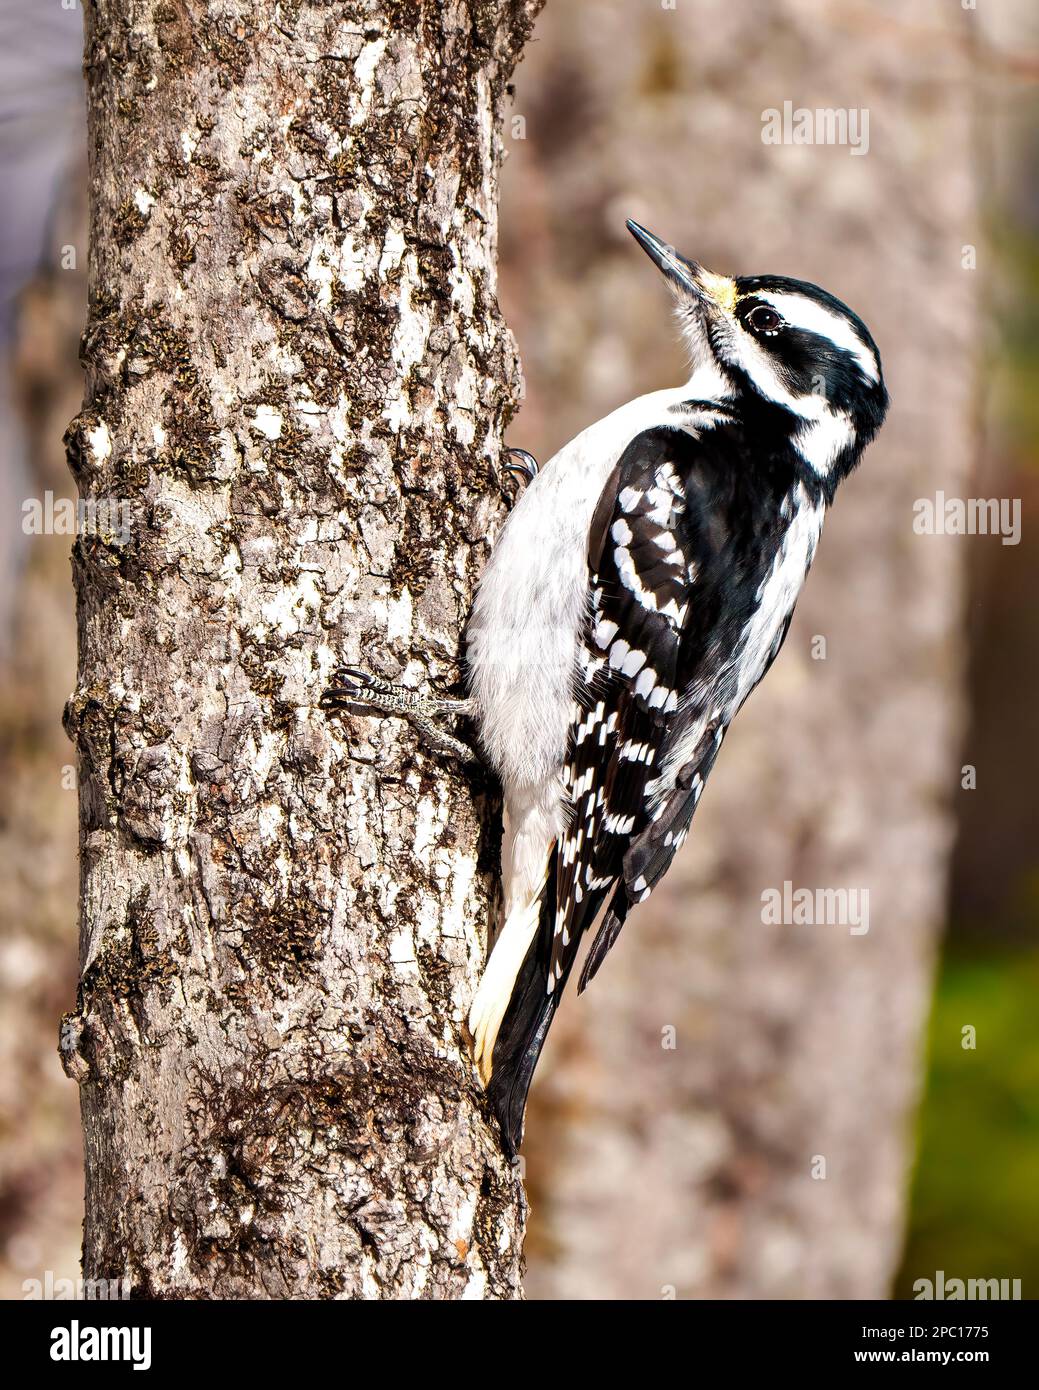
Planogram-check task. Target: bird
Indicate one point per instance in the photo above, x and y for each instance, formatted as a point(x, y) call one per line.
point(640, 589)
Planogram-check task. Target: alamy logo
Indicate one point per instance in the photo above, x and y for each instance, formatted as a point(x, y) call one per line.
point(968, 516)
point(826, 125)
point(805, 907)
point(59, 1289)
point(106, 517)
point(79, 1343)
point(952, 1289)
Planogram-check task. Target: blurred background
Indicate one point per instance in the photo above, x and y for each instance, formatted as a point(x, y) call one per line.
point(734, 1109)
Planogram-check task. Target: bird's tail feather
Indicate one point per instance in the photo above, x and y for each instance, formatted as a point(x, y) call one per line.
point(502, 971)
point(608, 932)
point(525, 1023)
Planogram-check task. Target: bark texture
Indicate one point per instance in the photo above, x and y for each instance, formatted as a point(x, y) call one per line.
point(297, 382)
point(694, 1171)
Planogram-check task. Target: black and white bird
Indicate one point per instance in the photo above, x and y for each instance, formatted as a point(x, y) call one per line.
point(640, 589)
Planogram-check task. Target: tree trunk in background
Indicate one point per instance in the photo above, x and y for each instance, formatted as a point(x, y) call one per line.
point(698, 1170)
point(41, 1158)
point(297, 380)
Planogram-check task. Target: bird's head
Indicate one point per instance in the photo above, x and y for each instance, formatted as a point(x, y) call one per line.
point(784, 347)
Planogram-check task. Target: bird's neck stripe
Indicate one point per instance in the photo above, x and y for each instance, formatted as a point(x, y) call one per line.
point(821, 442)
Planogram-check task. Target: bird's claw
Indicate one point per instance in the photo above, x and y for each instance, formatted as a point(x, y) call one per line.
point(527, 468)
point(352, 684)
point(353, 687)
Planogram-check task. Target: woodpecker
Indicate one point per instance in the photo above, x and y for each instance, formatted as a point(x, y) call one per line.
point(641, 587)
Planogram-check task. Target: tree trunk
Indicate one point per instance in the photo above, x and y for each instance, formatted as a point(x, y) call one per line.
point(765, 1153)
point(297, 382)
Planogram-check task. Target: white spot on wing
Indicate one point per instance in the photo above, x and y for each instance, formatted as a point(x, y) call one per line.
point(605, 631)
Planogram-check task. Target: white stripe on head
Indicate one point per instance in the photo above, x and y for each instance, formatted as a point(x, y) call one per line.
point(801, 312)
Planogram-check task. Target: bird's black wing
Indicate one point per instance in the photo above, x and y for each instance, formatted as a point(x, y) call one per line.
point(655, 533)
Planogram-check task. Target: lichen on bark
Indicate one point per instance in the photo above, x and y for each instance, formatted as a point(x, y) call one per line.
point(297, 384)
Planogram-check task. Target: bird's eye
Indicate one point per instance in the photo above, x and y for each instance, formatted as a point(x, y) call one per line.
point(762, 319)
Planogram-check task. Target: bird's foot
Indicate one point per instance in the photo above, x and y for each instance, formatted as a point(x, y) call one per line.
point(355, 688)
point(524, 467)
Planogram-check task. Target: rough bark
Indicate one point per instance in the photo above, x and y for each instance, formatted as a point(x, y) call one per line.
point(297, 380)
point(690, 1171)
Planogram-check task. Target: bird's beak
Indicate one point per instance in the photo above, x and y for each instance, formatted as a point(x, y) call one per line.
point(712, 291)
